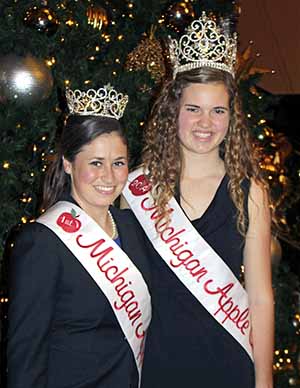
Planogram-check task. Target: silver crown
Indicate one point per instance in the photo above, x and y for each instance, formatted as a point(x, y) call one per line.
point(106, 102)
point(204, 44)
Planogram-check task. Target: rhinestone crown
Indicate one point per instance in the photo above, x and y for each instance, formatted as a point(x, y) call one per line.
point(204, 44)
point(106, 102)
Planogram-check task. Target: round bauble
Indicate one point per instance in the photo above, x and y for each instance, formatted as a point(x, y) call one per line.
point(24, 79)
point(41, 19)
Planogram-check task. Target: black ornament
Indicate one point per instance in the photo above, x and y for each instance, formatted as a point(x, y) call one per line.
point(41, 19)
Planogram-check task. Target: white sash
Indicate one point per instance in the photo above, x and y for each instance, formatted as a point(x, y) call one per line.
point(192, 259)
point(109, 266)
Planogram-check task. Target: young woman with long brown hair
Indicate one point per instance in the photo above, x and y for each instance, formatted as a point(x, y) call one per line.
point(202, 201)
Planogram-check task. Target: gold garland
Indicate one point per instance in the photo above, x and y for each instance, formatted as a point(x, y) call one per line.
point(148, 55)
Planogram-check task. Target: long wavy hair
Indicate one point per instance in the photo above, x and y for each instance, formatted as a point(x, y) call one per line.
point(77, 132)
point(162, 155)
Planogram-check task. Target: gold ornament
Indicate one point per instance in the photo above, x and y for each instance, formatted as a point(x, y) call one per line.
point(245, 65)
point(97, 17)
point(280, 148)
point(148, 54)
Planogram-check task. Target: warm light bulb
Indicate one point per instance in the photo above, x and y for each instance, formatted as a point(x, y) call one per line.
point(70, 22)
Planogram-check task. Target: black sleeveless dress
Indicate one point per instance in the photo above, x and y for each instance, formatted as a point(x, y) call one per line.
point(186, 347)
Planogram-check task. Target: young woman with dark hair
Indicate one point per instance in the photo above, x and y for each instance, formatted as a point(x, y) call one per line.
point(79, 300)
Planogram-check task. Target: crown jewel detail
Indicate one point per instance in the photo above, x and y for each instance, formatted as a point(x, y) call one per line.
point(204, 44)
point(106, 102)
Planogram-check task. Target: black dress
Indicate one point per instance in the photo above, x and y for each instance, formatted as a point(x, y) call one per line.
point(62, 330)
point(186, 347)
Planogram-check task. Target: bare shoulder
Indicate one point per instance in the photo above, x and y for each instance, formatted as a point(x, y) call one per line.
point(258, 209)
point(258, 198)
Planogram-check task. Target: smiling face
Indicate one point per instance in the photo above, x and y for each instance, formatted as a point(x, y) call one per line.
point(203, 117)
point(98, 173)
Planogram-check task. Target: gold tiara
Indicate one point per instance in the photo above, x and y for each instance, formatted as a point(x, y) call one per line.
point(106, 102)
point(204, 44)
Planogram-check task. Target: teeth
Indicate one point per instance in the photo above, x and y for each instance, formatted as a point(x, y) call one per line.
point(104, 188)
point(203, 135)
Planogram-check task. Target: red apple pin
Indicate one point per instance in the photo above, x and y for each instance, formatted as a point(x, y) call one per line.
point(68, 222)
point(140, 186)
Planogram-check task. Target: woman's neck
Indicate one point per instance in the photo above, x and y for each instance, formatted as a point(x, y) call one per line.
point(98, 213)
point(197, 166)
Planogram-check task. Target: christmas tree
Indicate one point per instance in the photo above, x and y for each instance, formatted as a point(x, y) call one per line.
point(47, 46)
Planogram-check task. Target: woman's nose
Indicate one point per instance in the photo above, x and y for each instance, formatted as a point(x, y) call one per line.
point(108, 175)
point(204, 120)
